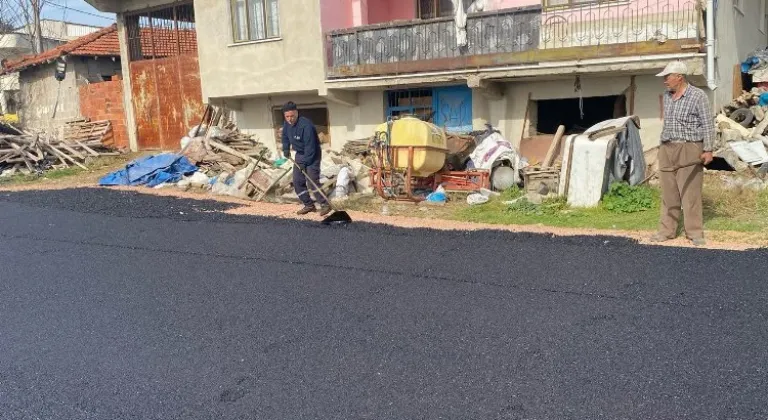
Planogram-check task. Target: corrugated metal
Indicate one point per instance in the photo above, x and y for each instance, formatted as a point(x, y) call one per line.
point(167, 99)
point(165, 74)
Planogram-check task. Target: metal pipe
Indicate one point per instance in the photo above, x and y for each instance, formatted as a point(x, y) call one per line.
point(711, 82)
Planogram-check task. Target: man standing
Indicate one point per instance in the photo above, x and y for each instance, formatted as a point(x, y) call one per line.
point(686, 146)
point(300, 133)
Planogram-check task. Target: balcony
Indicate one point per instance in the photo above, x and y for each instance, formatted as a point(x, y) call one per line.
point(516, 36)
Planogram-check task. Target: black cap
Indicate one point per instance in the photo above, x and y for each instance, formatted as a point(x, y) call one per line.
point(289, 106)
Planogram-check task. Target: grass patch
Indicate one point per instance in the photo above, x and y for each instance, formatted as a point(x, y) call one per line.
point(626, 208)
point(96, 165)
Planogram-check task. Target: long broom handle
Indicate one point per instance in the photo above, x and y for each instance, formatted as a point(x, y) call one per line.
point(312, 182)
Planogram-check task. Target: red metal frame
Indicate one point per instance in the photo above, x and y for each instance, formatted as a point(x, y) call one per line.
point(468, 180)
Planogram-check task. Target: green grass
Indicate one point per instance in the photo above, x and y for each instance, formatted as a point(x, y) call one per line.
point(54, 174)
point(94, 166)
point(624, 208)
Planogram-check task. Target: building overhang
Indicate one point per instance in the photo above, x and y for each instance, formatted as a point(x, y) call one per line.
point(124, 6)
point(483, 78)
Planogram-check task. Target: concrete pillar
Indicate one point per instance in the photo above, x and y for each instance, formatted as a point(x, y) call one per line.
point(481, 112)
point(130, 116)
point(3, 102)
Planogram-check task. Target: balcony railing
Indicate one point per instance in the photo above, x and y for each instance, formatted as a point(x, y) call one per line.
point(620, 23)
point(512, 30)
point(517, 36)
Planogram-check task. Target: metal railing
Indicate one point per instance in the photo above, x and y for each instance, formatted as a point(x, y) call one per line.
point(619, 22)
point(511, 30)
point(524, 29)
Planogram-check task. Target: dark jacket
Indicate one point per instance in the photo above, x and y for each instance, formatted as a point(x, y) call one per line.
point(303, 138)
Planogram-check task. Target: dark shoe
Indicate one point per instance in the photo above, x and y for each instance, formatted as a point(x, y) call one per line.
point(698, 242)
point(305, 210)
point(325, 210)
point(658, 237)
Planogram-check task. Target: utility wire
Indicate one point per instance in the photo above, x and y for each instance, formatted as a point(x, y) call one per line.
point(65, 7)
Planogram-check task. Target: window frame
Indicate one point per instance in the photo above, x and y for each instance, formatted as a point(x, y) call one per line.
point(437, 7)
point(248, 19)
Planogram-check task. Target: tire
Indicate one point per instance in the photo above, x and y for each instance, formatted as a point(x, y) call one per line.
point(743, 116)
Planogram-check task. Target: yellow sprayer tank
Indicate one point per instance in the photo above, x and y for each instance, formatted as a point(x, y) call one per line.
point(428, 140)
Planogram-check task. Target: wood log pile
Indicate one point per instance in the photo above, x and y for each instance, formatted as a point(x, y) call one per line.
point(81, 141)
point(216, 145)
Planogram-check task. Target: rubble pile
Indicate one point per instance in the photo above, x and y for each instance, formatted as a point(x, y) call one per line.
point(230, 162)
point(741, 128)
point(80, 141)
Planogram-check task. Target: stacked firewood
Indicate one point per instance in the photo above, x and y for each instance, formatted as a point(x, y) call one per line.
point(81, 141)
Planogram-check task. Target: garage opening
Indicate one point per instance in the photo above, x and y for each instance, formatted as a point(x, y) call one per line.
point(317, 113)
point(546, 115)
point(568, 112)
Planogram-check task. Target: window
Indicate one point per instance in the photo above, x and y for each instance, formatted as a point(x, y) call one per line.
point(254, 20)
point(448, 107)
point(430, 9)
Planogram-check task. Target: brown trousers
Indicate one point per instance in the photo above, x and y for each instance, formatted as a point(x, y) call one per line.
point(682, 178)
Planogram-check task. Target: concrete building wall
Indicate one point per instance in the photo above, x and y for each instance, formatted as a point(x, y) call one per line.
point(351, 123)
point(45, 102)
point(509, 116)
point(255, 115)
point(294, 62)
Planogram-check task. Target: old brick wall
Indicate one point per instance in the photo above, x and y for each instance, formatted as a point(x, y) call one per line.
point(104, 101)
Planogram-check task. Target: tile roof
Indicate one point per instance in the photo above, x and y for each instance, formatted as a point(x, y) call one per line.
point(103, 43)
point(155, 43)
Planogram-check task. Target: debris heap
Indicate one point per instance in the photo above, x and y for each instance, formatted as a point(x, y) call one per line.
point(81, 141)
point(742, 126)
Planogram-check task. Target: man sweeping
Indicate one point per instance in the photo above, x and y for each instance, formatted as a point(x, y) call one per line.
point(300, 133)
point(687, 139)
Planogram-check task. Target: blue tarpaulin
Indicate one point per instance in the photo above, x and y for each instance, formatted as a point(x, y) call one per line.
point(151, 171)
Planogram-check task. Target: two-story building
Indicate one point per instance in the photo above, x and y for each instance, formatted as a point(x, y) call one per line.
point(525, 66)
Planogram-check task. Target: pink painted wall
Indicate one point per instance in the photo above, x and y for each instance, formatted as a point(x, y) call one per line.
point(342, 14)
point(380, 11)
point(508, 4)
point(336, 14)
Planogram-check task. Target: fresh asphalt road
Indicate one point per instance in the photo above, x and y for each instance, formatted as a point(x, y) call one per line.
point(118, 305)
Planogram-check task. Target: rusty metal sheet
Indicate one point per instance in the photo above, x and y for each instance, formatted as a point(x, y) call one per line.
point(167, 99)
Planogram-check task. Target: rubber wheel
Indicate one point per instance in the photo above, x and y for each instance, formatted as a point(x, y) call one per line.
point(743, 116)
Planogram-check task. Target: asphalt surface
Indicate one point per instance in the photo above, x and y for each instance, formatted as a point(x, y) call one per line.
point(118, 305)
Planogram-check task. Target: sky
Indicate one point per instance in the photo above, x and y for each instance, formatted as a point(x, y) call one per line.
point(76, 11)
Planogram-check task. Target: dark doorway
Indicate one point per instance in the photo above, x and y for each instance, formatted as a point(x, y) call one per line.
point(555, 112)
point(318, 114)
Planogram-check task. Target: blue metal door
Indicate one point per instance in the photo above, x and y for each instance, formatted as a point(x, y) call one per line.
point(453, 108)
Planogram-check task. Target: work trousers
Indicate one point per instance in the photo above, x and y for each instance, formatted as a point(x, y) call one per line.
point(681, 172)
point(300, 183)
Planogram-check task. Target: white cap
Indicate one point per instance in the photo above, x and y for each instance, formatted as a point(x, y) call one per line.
point(674, 67)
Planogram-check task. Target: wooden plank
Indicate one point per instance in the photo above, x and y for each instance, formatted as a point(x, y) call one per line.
point(23, 151)
point(231, 151)
point(64, 156)
point(554, 147)
point(73, 151)
point(738, 87)
point(88, 149)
